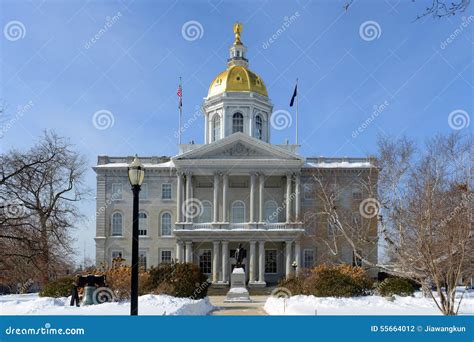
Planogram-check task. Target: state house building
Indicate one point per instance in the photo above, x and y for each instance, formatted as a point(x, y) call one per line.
point(236, 188)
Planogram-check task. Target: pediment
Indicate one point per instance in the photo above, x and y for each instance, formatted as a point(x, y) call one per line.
point(239, 146)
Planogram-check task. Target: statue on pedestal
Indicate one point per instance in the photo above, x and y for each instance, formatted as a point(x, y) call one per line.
point(239, 256)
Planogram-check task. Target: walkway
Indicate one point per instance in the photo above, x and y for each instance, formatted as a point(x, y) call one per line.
point(238, 309)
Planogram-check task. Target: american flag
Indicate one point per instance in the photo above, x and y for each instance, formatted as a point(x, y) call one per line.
point(180, 95)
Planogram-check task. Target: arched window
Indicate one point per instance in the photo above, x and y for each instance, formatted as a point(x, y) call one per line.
point(238, 212)
point(117, 224)
point(165, 224)
point(258, 127)
point(271, 211)
point(237, 123)
point(216, 129)
point(206, 213)
point(142, 223)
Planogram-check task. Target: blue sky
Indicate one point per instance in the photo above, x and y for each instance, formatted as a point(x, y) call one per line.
point(132, 72)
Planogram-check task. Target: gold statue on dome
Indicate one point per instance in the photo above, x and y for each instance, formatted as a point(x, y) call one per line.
point(238, 27)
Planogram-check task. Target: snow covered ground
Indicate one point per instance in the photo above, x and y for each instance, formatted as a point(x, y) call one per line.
point(368, 305)
point(32, 304)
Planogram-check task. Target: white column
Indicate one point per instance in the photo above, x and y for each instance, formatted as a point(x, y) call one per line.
point(179, 251)
point(253, 179)
point(261, 188)
point(189, 251)
point(179, 198)
point(225, 186)
point(298, 256)
point(215, 261)
point(288, 197)
point(261, 262)
point(225, 260)
point(288, 258)
point(252, 262)
point(216, 198)
point(297, 198)
point(189, 197)
point(206, 128)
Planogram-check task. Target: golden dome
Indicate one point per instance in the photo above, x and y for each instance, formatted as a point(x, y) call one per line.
point(237, 78)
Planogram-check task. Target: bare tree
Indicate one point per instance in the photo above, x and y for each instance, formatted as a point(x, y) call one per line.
point(435, 8)
point(426, 200)
point(39, 192)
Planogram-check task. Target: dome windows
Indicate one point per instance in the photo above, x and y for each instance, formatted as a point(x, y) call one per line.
point(237, 123)
point(216, 128)
point(258, 127)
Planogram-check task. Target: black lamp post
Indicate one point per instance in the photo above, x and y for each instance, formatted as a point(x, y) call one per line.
point(294, 265)
point(136, 173)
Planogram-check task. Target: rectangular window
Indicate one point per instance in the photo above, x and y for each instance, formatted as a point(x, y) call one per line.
point(144, 191)
point(166, 191)
point(308, 258)
point(308, 191)
point(332, 229)
point(116, 255)
point(116, 191)
point(205, 261)
point(142, 259)
point(166, 257)
point(270, 261)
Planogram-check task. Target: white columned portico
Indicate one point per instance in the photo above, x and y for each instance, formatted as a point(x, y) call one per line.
point(179, 197)
point(216, 198)
point(261, 262)
point(288, 258)
point(225, 186)
point(288, 197)
point(297, 198)
point(252, 262)
point(298, 256)
point(189, 251)
point(188, 197)
point(215, 262)
point(261, 188)
point(253, 182)
point(225, 260)
point(179, 251)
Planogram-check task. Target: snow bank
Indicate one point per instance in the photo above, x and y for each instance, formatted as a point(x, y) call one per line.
point(368, 305)
point(32, 304)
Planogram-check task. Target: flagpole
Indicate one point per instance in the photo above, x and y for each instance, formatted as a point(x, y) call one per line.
point(180, 112)
point(297, 96)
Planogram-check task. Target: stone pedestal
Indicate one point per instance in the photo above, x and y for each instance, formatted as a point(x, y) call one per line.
point(238, 293)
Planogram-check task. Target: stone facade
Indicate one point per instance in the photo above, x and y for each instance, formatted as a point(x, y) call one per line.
point(235, 188)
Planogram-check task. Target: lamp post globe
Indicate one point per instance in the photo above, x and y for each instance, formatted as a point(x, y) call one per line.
point(294, 265)
point(136, 174)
